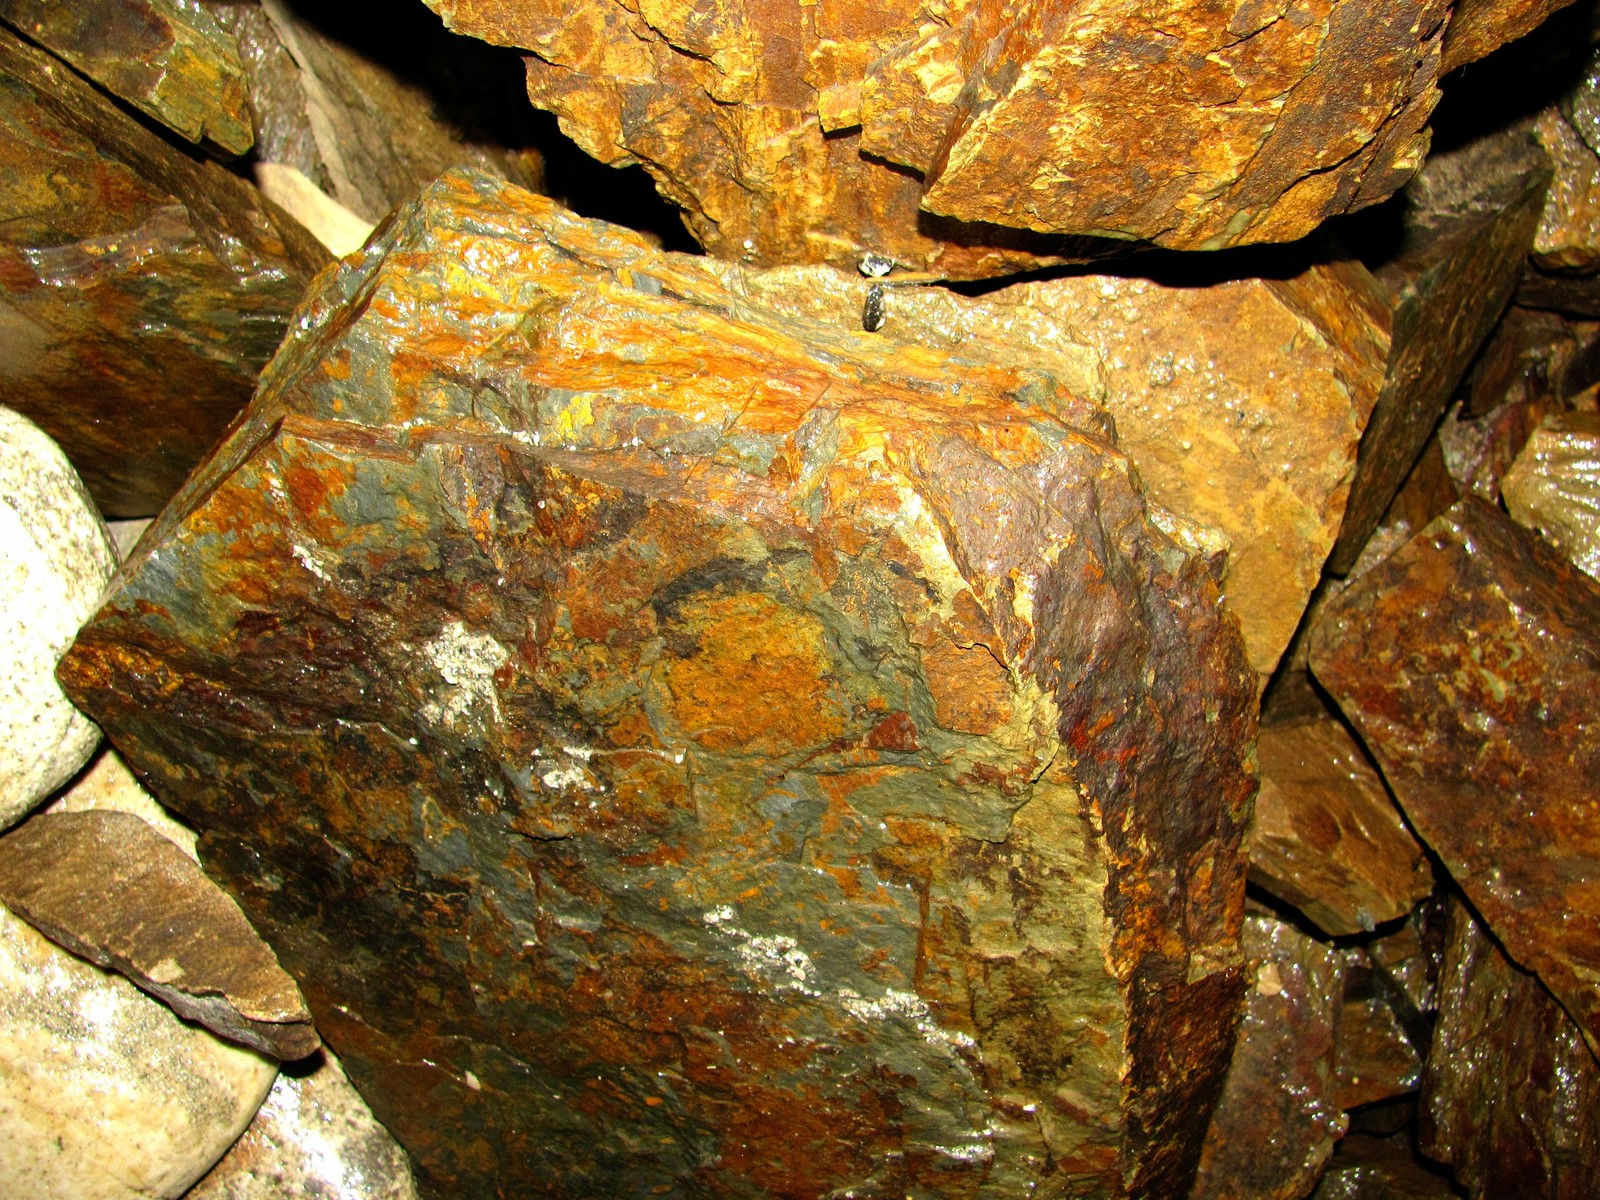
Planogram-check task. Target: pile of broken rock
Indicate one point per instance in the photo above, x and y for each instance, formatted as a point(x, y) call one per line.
point(1117, 731)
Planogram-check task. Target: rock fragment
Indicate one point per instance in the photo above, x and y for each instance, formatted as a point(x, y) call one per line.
point(1479, 27)
point(1327, 838)
point(55, 559)
point(1381, 1037)
point(140, 290)
point(1277, 1121)
point(1381, 1168)
point(1554, 486)
point(765, 755)
point(108, 887)
point(1512, 1095)
point(1466, 661)
point(168, 59)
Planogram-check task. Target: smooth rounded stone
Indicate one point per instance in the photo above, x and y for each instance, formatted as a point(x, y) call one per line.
point(104, 1093)
point(314, 1137)
point(55, 559)
point(110, 785)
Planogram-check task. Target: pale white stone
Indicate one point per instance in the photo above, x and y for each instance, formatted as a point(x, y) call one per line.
point(315, 1137)
point(55, 559)
point(104, 1093)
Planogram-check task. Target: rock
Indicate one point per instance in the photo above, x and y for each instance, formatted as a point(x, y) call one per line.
point(1568, 237)
point(169, 59)
point(108, 786)
point(330, 222)
point(108, 887)
point(953, 142)
point(1376, 1058)
point(1512, 1095)
point(1466, 661)
point(140, 290)
point(314, 1136)
point(1531, 355)
point(1228, 430)
point(1326, 837)
point(1380, 1168)
point(1470, 221)
point(1479, 27)
point(707, 713)
point(104, 1093)
point(1554, 486)
point(1478, 453)
point(1276, 1122)
point(55, 559)
point(372, 101)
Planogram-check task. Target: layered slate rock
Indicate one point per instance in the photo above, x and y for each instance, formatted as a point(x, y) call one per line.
point(1479, 27)
point(1326, 837)
point(681, 741)
point(1467, 660)
point(1554, 486)
point(1277, 1122)
point(1225, 427)
point(169, 59)
point(1382, 1035)
point(1469, 222)
point(1512, 1095)
point(960, 139)
point(140, 290)
point(108, 887)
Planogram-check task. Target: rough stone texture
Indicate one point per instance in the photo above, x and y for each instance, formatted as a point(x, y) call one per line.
point(766, 758)
point(372, 101)
point(1379, 1051)
point(1512, 1095)
point(1480, 27)
point(104, 1093)
point(1380, 1168)
point(1568, 236)
point(55, 559)
point(1468, 661)
point(1326, 836)
point(1469, 223)
point(960, 138)
point(1478, 453)
point(1276, 1122)
point(167, 58)
point(1229, 429)
point(140, 290)
point(108, 785)
point(1531, 355)
point(1554, 486)
point(313, 1137)
point(111, 889)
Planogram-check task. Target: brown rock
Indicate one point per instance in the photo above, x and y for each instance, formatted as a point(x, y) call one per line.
point(1382, 1034)
point(1468, 228)
point(1479, 27)
point(373, 101)
point(1277, 1121)
point(1554, 486)
point(593, 645)
point(1326, 836)
point(107, 886)
point(168, 59)
point(1467, 661)
point(1478, 453)
point(140, 290)
point(1512, 1095)
point(1380, 1168)
point(1568, 237)
point(1228, 429)
point(1532, 354)
point(965, 140)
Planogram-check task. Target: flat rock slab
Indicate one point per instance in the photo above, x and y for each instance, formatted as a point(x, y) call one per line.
point(1468, 661)
point(1326, 837)
point(169, 59)
point(141, 290)
point(682, 742)
point(1277, 1121)
point(1512, 1095)
point(1554, 486)
point(969, 139)
point(107, 886)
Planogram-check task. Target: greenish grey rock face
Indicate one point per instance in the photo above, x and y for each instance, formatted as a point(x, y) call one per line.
point(685, 745)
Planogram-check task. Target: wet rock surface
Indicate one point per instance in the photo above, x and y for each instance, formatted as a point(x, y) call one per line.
point(945, 139)
point(1554, 486)
point(1466, 661)
point(141, 290)
point(1327, 838)
point(731, 732)
point(111, 889)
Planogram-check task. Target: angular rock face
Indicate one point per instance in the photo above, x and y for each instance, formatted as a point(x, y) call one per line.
point(1468, 662)
point(1554, 486)
point(765, 757)
point(792, 132)
point(1512, 1095)
point(140, 290)
point(168, 59)
point(1479, 27)
point(1229, 430)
